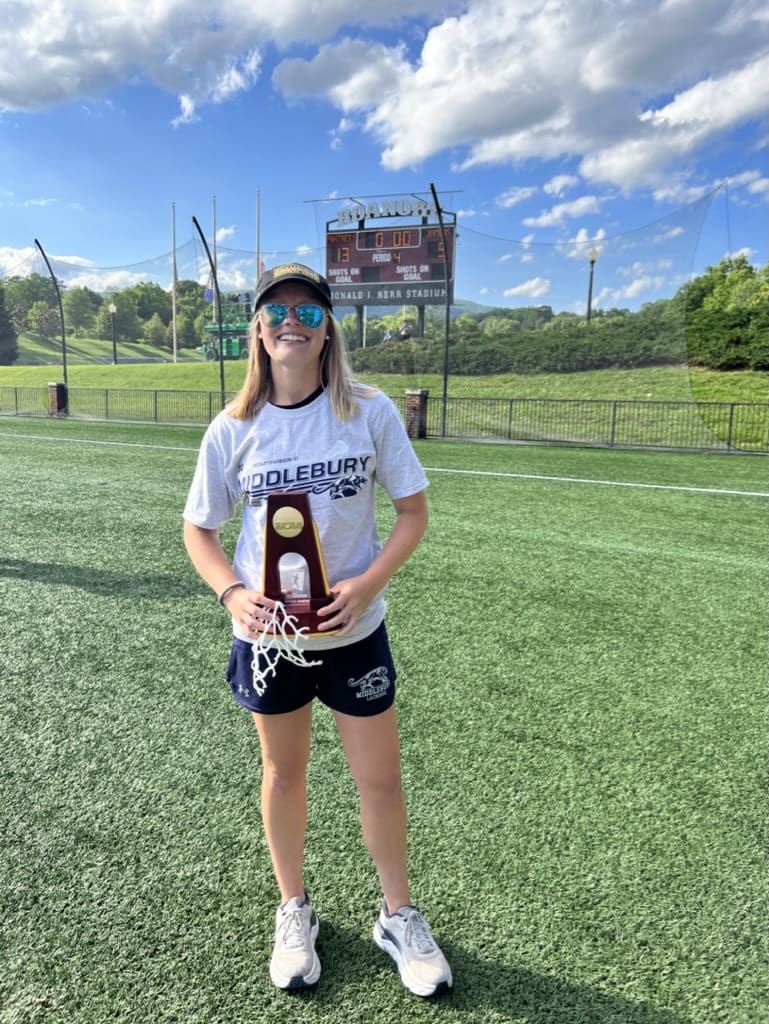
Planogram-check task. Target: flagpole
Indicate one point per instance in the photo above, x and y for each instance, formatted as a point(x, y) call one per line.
point(213, 244)
point(258, 244)
point(174, 281)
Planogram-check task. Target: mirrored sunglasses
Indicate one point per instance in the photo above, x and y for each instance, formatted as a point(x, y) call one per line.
point(274, 313)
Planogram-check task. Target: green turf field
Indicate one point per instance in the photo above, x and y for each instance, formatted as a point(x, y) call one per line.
point(581, 644)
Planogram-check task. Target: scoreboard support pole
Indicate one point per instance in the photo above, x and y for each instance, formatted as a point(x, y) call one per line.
point(439, 212)
point(420, 321)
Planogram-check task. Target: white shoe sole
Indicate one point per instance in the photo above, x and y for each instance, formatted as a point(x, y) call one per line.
point(299, 980)
point(412, 984)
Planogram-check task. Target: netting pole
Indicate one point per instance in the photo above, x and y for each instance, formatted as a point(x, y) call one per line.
point(218, 309)
point(61, 313)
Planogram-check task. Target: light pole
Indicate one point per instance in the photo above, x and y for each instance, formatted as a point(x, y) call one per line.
point(592, 256)
point(112, 310)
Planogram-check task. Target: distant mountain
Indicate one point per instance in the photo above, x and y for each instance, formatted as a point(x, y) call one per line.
point(468, 306)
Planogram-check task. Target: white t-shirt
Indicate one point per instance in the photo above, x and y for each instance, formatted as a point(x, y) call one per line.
point(306, 448)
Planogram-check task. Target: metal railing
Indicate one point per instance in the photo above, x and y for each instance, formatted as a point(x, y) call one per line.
point(698, 426)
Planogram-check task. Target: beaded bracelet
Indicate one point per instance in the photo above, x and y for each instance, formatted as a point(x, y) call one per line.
point(221, 596)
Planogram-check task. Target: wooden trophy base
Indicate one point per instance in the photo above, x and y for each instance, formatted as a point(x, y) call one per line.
point(294, 571)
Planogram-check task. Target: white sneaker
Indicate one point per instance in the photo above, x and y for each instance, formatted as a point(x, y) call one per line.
point(406, 936)
point(294, 962)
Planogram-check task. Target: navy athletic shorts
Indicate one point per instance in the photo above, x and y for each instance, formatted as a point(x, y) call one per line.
point(358, 679)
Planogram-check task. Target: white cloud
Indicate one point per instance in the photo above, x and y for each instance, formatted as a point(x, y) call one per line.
point(516, 195)
point(27, 260)
point(525, 256)
point(346, 124)
point(583, 242)
point(493, 82)
point(235, 270)
point(715, 103)
point(107, 280)
point(744, 178)
point(746, 251)
point(535, 288)
point(83, 48)
point(353, 74)
point(669, 234)
point(561, 211)
point(187, 115)
point(696, 115)
point(237, 76)
point(679, 193)
point(12, 260)
point(636, 288)
point(222, 234)
point(639, 268)
point(559, 184)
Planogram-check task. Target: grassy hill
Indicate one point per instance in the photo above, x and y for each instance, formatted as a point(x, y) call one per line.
point(89, 364)
point(35, 350)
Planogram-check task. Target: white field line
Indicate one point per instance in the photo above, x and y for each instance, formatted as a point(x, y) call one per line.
point(601, 483)
point(436, 469)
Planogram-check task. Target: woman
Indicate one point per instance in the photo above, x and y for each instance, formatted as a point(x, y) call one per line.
point(299, 423)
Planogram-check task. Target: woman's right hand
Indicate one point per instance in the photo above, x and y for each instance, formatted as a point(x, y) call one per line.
point(251, 609)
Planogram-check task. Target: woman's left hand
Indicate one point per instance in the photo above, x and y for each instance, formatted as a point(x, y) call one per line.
point(351, 598)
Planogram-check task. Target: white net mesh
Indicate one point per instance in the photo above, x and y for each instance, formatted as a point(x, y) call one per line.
point(279, 637)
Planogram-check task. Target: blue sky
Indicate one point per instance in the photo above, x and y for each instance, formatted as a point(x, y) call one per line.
point(549, 129)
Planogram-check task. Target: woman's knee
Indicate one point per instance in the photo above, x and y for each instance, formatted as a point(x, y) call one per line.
point(387, 787)
point(285, 777)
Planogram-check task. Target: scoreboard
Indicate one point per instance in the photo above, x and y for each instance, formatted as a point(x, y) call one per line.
point(389, 266)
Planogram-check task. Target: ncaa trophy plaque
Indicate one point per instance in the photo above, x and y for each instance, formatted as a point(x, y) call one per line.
point(294, 572)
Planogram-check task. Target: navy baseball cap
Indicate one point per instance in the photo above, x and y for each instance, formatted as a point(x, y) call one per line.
point(292, 272)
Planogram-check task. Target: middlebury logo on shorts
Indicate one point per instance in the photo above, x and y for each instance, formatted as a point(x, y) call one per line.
point(373, 685)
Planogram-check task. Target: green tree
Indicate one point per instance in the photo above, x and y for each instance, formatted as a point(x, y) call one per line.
point(149, 299)
point(349, 327)
point(737, 286)
point(726, 316)
point(186, 335)
point(9, 350)
point(44, 320)
point(465, 328)
point(499, 328)
point(563, 322)
point(376, 329)
point(128, 326)
point(23, 292)
point(156, 332)
point(35, 313)
point(190, 300)
point(80, 308)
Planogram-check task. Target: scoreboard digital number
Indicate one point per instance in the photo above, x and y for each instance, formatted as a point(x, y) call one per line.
point(385, 266)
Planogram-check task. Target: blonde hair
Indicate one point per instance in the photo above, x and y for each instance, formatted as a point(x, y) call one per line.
point(335, 376)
